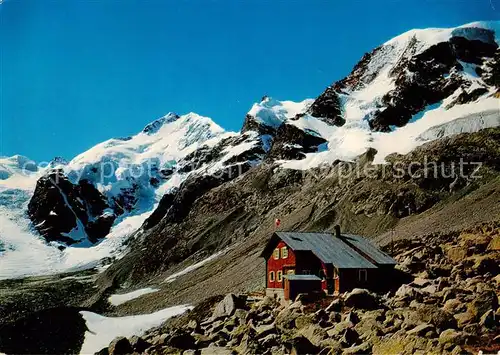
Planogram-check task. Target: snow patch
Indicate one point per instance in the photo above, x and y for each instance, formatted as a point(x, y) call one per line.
point(102, 330)
point(118, 299)
point(193, 267)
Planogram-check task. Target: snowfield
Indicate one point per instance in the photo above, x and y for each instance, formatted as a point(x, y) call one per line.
point(22, 244)
point(102, 330)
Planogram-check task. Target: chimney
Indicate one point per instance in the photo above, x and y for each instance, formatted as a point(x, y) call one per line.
point(337, 231)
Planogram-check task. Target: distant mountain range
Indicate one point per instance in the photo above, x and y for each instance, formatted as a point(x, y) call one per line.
point(419, 87)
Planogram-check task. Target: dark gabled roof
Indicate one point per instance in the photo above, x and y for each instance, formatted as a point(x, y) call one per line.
point(326, 247)
point(367, 248)
point(302, 277)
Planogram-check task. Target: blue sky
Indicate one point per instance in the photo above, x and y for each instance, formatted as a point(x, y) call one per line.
point(77, 72)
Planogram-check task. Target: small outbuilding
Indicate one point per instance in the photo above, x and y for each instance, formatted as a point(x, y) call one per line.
point(301, 262)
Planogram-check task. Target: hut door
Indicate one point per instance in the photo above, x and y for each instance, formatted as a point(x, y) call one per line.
point(336, 280)
point(287, 289)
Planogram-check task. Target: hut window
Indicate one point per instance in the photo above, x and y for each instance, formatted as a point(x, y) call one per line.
point(276, 254)
point(271, 276)
point(279, 276)
point(284, 253)
point(363, 275)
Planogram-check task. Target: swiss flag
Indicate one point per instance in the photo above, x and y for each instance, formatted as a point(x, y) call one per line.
point(277, 222)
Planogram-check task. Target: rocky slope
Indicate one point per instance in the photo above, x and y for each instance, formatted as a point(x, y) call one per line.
point(444, 300)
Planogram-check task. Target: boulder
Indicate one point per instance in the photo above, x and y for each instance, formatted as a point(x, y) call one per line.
point(242, 316)
point(488, 319)
point(494, 243)
point(352, 317)
point(443, 282)
point(193, 325)
point(267, 303)
point(120, 346)
point(215, 350)
point(297, 305)
point(485, 264)
point(389, 345)
point(429, 314)
point(269, 340)
point(339, 328)
point(138, 344)
point(335, 317)
point(496, 279)
point(231, 323)
point(300, 345)
point(215, 327)
point(314, 333)
point(453, 305)
point(286, 319)
point(408, 292)
point(320, 314)
point(482, 303)
point(364, 348)
point(303, 321)
point(228, 306)
point(160, 339)
point(456, 253)
point(202, 341)
point(265, 330)
point(424, 329)
point(361, 299)
point(349, 337)
point(431, 289)
point(331, 346)
point(464, 318)
point(335, 306)
point(369, 328)
point(457, 350)
point(421, 282)
point(451, 337)
point(182, 340)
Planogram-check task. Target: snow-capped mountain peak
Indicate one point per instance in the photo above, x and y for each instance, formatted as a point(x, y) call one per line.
point(425, 38)
point(154, 126)
point(269, 114)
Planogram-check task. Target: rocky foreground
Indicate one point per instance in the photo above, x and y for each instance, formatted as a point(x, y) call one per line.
point(446, 301)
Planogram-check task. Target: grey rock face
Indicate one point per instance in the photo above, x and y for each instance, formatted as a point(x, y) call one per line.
point(58, 207)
